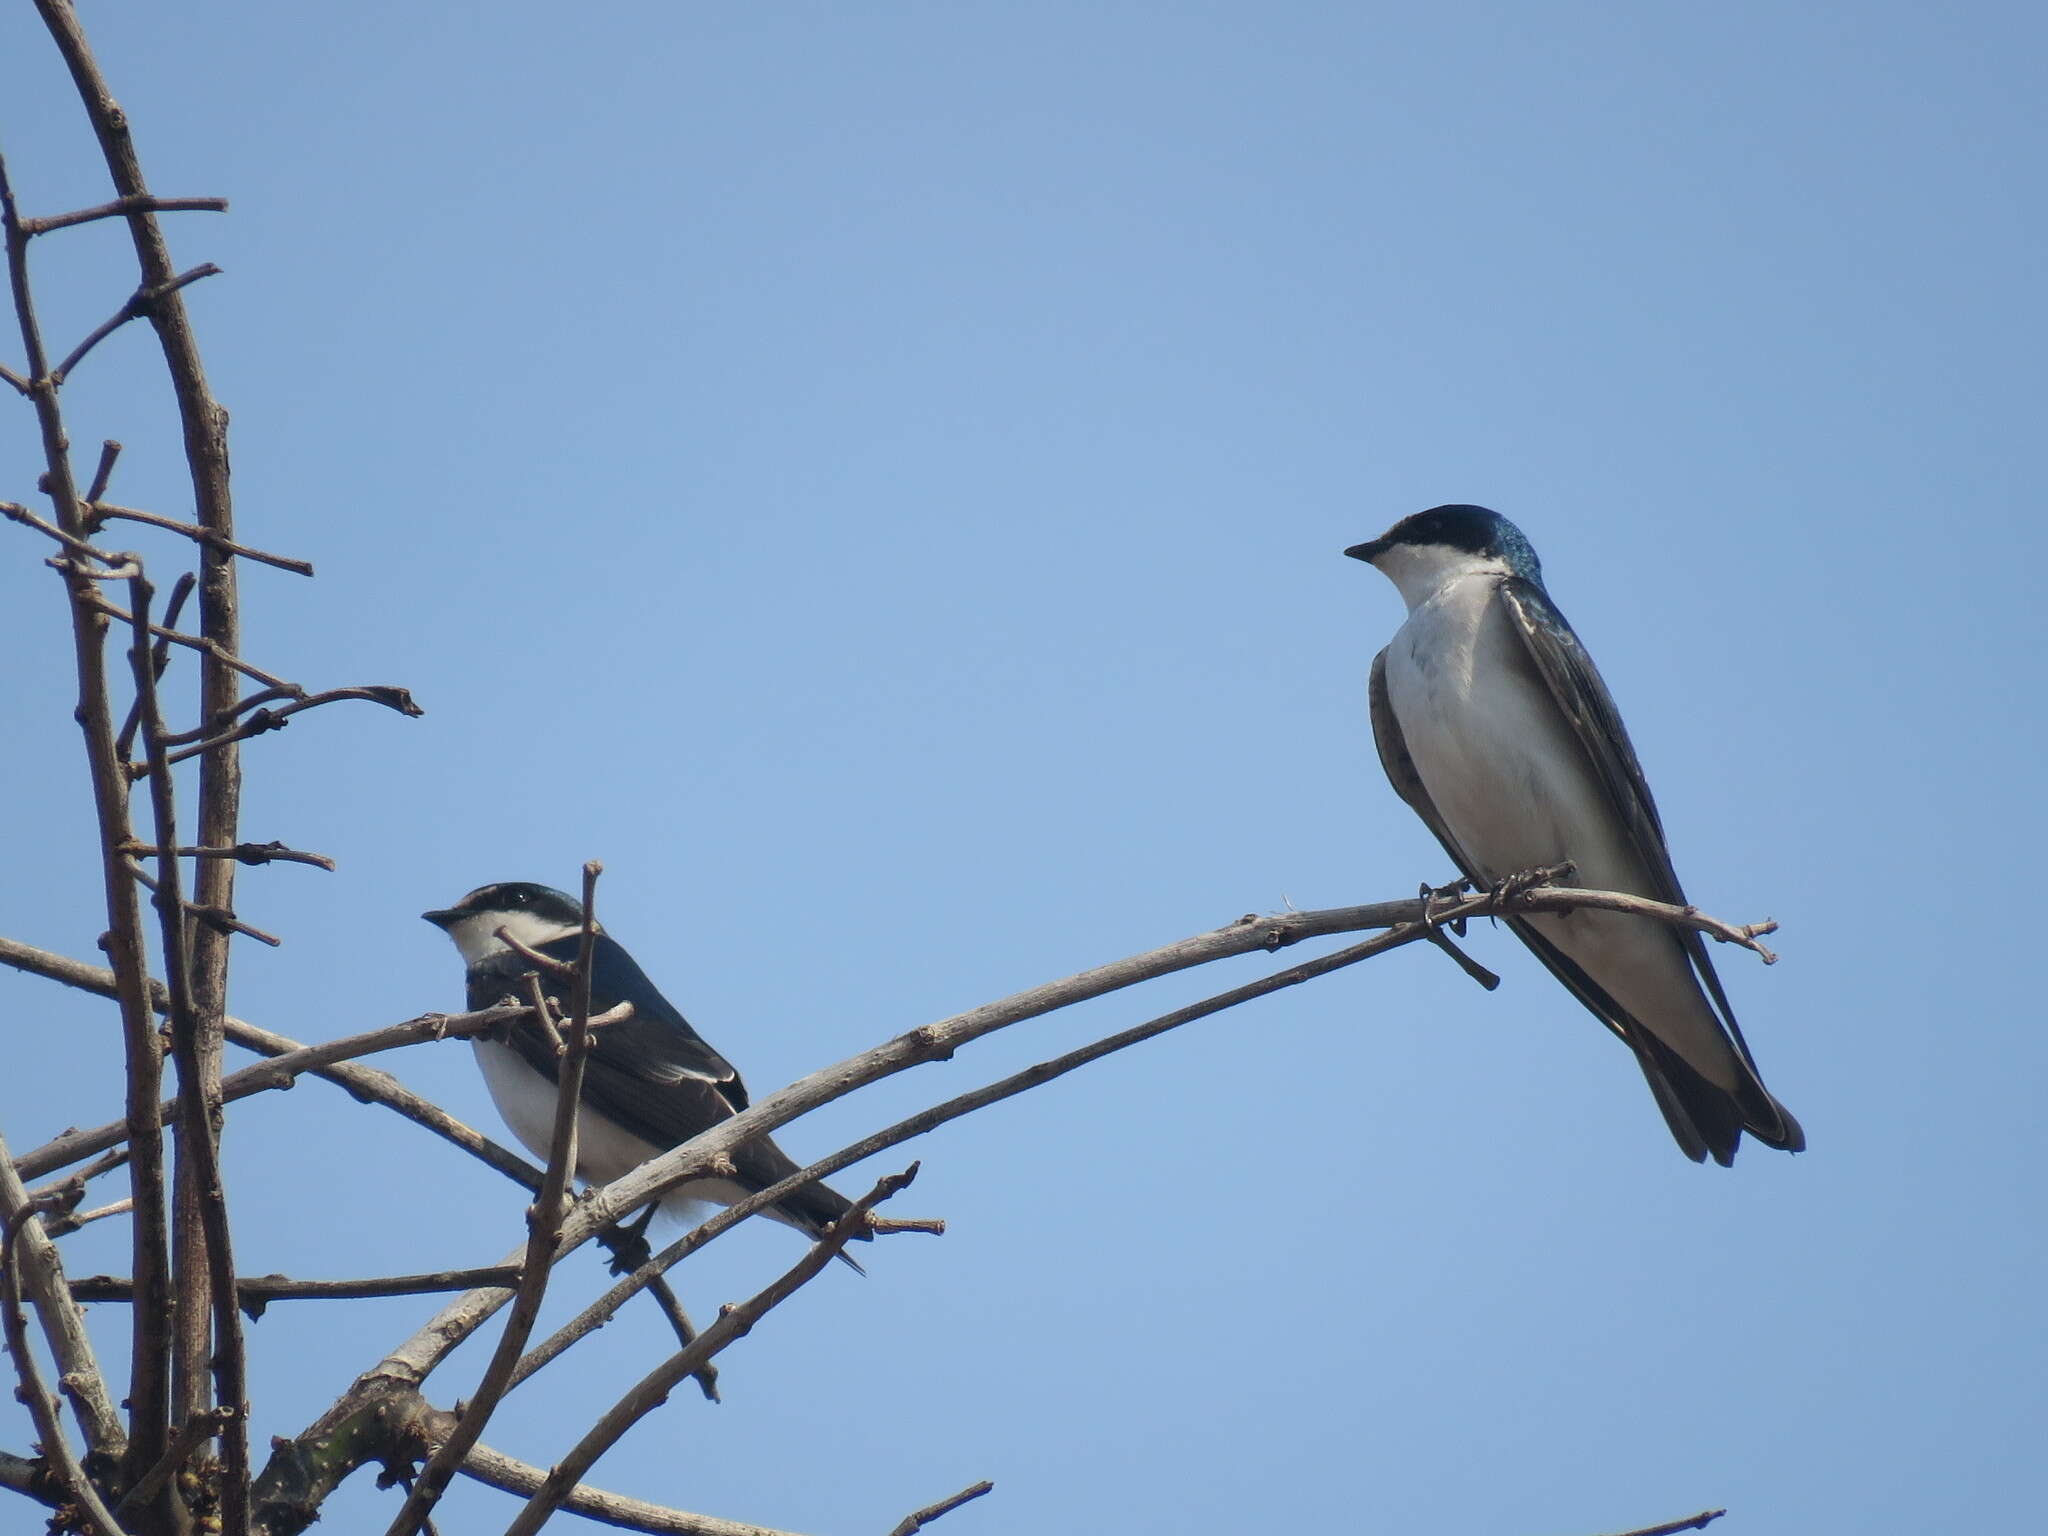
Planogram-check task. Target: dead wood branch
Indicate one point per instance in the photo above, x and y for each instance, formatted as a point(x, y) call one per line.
point(733, 1323)
point(917, 1520)
point(544, 1222)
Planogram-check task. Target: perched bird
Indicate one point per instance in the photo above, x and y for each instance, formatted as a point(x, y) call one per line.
point(650, 1082)
point(1495, 727)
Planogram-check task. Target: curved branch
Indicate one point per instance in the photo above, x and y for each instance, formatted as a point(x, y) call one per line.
point(733, 1324)
point(1410, 921)
point(365, 1084)
point(283, 1070)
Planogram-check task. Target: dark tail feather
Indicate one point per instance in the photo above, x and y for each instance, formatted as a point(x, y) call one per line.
point(1705, 1119)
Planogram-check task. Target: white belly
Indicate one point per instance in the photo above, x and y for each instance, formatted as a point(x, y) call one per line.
point(1516, 791)
point(604, 1151)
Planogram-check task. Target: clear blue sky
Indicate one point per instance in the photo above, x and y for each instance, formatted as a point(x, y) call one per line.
point(874, 475)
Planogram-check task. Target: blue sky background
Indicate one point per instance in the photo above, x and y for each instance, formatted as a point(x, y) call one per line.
point(874, 475)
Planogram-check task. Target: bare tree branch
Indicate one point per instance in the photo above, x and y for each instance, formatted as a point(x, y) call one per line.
point(115, 563)
point(917, 1520)
point(497, 1470)
point(274, 719)
point(77, 1489)
point(245, 853)
point(366, 1084)
point(193, 1434)
point(148, 1380)
point(199, 1102)
point(208, 648)
point(18, 1474)
point(544, 1221)
point(734, 1323)
point(1698, 1522)
point(101, 511)
point(125, 205)
point(600, 1311)
point(141, 302)
point(160, 658)
point(205, 425)
point(255, 1292)
point(413, 1360)
point(282, 1071)
point(42, 1270)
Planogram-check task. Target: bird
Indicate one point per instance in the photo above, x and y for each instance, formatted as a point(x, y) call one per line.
point(650, 1082)
point(1494, 725)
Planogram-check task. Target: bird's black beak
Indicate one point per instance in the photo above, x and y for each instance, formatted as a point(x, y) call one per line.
point(1369, 551)
point(442, 917)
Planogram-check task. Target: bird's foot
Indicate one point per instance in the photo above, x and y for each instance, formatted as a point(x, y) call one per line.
point(628, 1243)
point(1430, 895)
point(1434, 932)
point(1505, 890)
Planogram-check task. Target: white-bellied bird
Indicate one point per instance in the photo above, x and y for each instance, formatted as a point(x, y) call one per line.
point(1495, 727)
point(650, 1082)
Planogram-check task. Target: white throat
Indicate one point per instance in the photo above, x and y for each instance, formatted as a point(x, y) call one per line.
point(1420, 571)
point(477, 936)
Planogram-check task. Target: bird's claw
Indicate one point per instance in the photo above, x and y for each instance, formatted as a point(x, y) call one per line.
point(1432, 894)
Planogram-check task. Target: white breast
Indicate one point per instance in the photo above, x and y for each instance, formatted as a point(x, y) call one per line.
point(1516, 790)
point(604, 1150)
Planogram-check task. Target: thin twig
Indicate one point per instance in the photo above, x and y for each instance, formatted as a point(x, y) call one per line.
point(365, 1084)
point(226, 922)
point(600, 1311)
point(160, 659)
point(15, 512)
point(200, 643)
point(545, 964)
point(110, 450)
point(63, 1462)
point(9, 376)
point(66, 1194)
point(261, 720)
point(1698, 1522)
point(246, 853)
point(1442, 940)
point(65, 1225)
point(282, 1071)
point(206, 728)
point(148, 1376)
point(544, 1219)
point(125, 205)
point(733, 1323)
point(140, 303)
point(629, 1250)
point(199, 1098)
point(100, 511)
point(917, 1520)
point(494, 1469)
point(413, 1360)
point(41, 1269)
point(254, 1293)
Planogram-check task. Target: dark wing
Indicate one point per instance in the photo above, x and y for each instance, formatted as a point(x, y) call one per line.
point(1581, 695)
point(657, 1077)
point(1700, 1116)
point(652, 1073)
